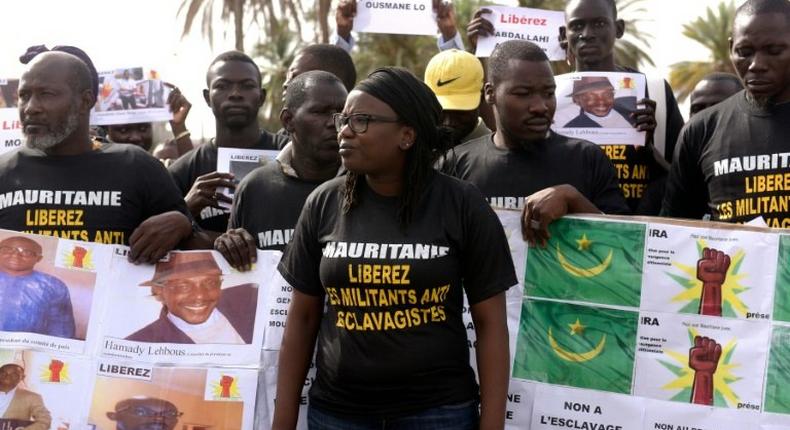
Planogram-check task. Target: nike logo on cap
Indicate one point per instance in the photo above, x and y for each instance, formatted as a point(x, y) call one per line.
point(441, 83)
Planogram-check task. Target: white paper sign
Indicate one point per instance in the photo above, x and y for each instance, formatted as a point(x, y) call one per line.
point(130, 95)
point(678, 259)
point(395, 17)
point(10, 126)
point(597, 106)
point(701, 360)
point(662, 415)
point(240, 162)
point(541, 27)
point(557, 407)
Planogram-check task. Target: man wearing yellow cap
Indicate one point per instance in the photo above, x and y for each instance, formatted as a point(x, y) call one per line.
point(456, 77)
point(195, 309)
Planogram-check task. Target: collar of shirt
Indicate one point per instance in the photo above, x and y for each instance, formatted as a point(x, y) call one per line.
point(216, 329)
point(285, 158)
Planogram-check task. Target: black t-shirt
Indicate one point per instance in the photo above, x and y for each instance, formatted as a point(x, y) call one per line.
point(267, 204)
point(392, 341)
point(733, 162)
point(203, 160)
point(100, 196)
point(640, 176)
point(505, 177)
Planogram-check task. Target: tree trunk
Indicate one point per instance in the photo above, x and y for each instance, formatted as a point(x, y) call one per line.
point(238, 23)
point(324, 9)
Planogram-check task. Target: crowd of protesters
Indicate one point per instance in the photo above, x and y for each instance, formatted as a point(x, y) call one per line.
point(398, 176)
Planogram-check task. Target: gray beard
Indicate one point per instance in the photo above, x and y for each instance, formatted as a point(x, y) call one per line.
point(762, 103)
point(57, 135)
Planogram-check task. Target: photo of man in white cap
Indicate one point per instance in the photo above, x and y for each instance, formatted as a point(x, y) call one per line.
point(598, 105)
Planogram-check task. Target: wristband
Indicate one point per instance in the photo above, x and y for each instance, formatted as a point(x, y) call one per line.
point(184, 133)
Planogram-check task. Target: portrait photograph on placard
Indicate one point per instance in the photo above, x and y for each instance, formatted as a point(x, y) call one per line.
point(50, 285)
point(172, 398)
point(190, 307)
point(598, 107)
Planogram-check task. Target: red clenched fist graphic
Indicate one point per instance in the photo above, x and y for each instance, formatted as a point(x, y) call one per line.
point(712, 271)
point(55, 367)
point(703, 360)
point(225, 382)
point(79, 254)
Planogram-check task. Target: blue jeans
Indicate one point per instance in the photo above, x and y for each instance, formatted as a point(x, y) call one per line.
point(464, 416)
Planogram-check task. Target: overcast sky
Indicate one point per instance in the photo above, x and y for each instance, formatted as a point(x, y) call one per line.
point(146, 32)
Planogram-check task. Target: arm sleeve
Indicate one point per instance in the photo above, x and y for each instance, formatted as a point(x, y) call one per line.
point(686, 195)
point(485, 258)
point(60, 316)
point(606, 194)
point(162, 194)
point(347, 45)
point(39, 414)
point(300, 261)
point(674, 122)
point(179, 172)
point(236, 219)
point(455, 43)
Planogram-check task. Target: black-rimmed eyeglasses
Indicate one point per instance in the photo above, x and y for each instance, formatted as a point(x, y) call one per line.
point(357, 122)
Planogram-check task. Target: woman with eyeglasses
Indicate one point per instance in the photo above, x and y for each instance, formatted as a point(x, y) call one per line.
point(392, 247)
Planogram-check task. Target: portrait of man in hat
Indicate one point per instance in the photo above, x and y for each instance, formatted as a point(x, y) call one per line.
point(598, 105)
point(195, 307)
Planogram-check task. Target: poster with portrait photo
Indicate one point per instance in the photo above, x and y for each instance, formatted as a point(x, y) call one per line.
point(10, 126)
point(240, 162)
point(131, 95)
point(132, 395)
point(51, 389)
point(597, 106)
point(54, 288)
point(189, 308)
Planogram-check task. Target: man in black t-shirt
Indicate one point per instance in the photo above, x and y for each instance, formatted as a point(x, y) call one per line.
point(733, 159)
point(62, 185)
point(309, 159)
point(524, 157)
point(590, 31)
point(234, 95)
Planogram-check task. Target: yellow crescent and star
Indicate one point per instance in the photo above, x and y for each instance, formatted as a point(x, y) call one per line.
point(583, 244)
point(577, 328)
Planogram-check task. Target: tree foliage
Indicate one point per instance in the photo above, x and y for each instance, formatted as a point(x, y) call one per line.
point(711, 31)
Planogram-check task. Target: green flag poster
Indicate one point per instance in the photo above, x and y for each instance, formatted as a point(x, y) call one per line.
point(575, 345)
point(585, 260)
point(777, 394)
point(782, 292)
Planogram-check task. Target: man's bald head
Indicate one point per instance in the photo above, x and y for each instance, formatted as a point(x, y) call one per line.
point(77, 73)
point(21, 240)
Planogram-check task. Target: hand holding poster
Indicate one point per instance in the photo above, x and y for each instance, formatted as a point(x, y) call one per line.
point(598, 106)
point(395, 17)
point(10, 126)
point(541, 27)
point(130, 95)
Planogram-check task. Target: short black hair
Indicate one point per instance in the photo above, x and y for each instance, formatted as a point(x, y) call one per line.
point(726, 77)
point(297, 89)
point(761, 7)
point(79, 79)
point(512, 50)
point(610, 3)
point(234, 56)
point(333, 59)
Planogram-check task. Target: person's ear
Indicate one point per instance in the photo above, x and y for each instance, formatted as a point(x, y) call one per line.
point(619, 26)
point(286, 119)
point(40, 257)
point(86, 101)
point(408, 136)
point(112, 416)
point(489, 94)
point(206, 97)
